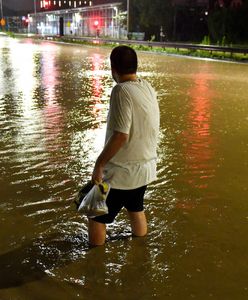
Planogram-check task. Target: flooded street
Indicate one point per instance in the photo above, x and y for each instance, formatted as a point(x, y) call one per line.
point(53, 106)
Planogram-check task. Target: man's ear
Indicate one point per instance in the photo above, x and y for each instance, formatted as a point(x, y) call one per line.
point(115, 74)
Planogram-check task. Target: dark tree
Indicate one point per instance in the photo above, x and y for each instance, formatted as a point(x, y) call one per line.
point(149, 16)
point(228, 22)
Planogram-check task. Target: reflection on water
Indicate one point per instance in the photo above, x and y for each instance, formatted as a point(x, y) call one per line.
point(53, 108)
point(197, 138)
point(52, 111)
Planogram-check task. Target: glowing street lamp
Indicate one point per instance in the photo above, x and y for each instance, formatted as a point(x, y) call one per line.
point(96, 24)
point(2, 21)
point(78, 17)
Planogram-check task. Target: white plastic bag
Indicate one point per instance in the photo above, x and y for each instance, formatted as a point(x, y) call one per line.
point(94, 203)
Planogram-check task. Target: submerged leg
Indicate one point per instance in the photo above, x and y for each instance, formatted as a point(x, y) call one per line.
point(138, 223)
point(97, 233)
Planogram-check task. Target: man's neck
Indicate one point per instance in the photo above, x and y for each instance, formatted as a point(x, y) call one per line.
point(127, 77)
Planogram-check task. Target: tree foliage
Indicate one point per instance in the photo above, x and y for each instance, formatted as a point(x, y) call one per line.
point(226, 20)
point(229, 22)
point(149, 16)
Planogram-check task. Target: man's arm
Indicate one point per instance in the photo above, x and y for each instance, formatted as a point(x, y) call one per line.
point(113, 145)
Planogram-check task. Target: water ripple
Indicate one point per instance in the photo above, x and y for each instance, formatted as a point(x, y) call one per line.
point(52, 126)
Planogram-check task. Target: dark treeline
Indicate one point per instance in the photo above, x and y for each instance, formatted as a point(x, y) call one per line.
point(221, 21)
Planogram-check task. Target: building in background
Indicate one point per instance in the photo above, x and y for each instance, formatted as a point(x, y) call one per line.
point(48, 5)
point(77, 18)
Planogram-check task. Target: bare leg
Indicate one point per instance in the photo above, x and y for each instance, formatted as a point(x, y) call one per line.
point(138, 223)
point(97, 233)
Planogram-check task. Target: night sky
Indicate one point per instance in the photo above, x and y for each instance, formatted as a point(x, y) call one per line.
point(19, 4)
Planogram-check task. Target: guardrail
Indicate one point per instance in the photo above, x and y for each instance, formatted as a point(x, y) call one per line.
point(178, 46)
point(211, 48)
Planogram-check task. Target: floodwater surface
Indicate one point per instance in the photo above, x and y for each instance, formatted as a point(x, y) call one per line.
point(53, 105)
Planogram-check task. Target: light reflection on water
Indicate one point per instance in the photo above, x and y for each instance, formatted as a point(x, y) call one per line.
point(53, 107)
point(197, 140)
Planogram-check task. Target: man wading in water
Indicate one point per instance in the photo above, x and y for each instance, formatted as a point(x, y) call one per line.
point(128, 159)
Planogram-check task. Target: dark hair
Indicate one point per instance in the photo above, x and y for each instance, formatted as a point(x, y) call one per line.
point(124, 60)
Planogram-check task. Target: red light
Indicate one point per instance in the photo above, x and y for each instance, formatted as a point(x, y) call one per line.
point(96, 23)
point(46, 4)
point(25, 19)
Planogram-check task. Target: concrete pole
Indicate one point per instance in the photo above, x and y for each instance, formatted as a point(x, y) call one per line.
point(128, 10)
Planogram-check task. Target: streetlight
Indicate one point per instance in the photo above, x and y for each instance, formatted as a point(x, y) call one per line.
point(96, 24)
point(2, 21)
point(35, 17)
point(35, 10)
point(1, 2)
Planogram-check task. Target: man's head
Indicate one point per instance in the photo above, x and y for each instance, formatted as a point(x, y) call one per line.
point(124, 60)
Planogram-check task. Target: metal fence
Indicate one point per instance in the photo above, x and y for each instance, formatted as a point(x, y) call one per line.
point(18, 24)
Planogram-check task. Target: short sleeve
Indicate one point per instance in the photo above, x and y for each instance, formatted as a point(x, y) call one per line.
point(120, 114)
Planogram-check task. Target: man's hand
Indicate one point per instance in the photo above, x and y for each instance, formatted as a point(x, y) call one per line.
point(114, 144)
point(97, 174)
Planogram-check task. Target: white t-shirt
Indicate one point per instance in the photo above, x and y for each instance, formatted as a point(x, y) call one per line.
point(133, 110)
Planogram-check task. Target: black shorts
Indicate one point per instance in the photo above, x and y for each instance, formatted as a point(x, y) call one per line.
point(132, 200)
